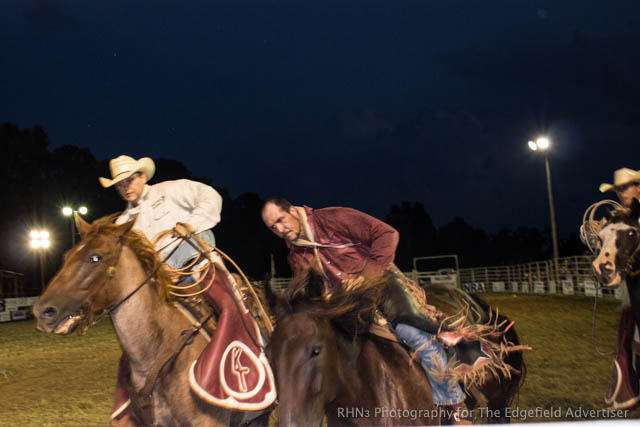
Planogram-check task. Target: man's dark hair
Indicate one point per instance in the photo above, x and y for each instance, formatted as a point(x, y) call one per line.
point(280, 202)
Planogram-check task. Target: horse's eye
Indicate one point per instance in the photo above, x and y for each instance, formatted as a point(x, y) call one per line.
point(315, 350)
point(93, 258)
point(631, 233)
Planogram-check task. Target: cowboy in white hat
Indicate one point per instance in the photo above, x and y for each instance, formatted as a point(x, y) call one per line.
point(159, 207)
point(626, 184)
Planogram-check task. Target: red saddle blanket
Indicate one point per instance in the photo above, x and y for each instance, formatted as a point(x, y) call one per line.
point(233, 371)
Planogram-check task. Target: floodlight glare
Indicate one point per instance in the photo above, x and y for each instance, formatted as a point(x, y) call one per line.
point(533, 145)
point(34, 234)
point(542, 143)
point(83, 210)
point(44, 234)
point(35, 244)
point(66, 211)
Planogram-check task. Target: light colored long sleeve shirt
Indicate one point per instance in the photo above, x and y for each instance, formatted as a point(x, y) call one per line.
point(164, 204)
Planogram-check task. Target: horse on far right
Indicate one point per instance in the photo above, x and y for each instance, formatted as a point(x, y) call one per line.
point(618, 264)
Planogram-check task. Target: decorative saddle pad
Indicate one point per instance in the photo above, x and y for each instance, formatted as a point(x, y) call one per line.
point(233, 371)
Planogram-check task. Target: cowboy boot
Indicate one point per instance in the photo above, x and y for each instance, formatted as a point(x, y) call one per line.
point(623, 391)
point(471, 355)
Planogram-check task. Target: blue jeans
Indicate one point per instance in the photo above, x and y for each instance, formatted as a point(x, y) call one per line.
point(432, 357)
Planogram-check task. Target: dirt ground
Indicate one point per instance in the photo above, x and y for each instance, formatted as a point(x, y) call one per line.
point(48, 380)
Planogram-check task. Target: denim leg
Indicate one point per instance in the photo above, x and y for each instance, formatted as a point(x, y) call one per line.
point(432, 357)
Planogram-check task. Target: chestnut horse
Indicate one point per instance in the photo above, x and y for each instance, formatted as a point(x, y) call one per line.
point(327, 363)
point(115, 269)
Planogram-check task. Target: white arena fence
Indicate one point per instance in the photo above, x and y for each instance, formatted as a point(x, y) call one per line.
point(18, 308)
point(569, 276)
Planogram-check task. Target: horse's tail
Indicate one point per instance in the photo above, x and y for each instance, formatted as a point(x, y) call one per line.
point(515, 359)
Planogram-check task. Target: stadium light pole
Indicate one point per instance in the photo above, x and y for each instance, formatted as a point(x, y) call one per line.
point(39, 240)
point(69, 211)
point(542, 144)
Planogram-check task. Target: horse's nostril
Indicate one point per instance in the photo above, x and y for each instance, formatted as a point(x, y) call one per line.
point(606, 269)
point(49, 312)
point(606, 254)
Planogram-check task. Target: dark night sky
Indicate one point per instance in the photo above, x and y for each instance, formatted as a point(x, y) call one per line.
point(354, 103)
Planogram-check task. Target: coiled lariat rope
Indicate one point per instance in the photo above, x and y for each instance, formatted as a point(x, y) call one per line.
point(592, 226)
point(186, 233)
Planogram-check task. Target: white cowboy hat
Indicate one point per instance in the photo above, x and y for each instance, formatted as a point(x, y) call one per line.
point(122, 167)
point(621, 177)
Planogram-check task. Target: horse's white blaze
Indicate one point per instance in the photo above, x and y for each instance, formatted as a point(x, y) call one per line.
point(608, 253)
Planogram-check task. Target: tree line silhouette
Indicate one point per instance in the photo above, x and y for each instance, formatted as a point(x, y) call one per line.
point(38, 181)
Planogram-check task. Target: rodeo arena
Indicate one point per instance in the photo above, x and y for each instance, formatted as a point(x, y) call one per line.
point(563, 279)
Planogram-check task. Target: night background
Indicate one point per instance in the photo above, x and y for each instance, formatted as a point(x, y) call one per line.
point(416, 112)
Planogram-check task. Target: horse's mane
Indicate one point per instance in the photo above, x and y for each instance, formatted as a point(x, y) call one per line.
point(151, 261)
point(349, 310)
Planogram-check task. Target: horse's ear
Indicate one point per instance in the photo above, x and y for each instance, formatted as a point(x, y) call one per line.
point(82, 225)
point(607, 216)
point(124, 228)
point(277, 305)
point(270, 296)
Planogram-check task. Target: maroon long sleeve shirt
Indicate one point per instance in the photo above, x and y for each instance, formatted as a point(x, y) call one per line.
point(374, 244)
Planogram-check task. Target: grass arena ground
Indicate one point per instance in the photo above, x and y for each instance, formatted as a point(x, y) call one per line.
point(47, 380)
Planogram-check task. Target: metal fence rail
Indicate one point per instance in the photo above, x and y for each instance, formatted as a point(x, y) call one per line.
point(570, 276)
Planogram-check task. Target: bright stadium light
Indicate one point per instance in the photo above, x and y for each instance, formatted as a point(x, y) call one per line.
point(543, 143)
point(69, 211)
point(39, 240)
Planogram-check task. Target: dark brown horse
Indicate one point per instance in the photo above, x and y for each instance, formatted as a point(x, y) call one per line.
point(326, 362)
point(113, 267)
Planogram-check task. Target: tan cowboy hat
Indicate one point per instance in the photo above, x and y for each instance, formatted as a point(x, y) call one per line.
point(122, 167)
point(621, 177)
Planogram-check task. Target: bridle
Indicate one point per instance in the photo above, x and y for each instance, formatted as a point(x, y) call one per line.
point(110, 272)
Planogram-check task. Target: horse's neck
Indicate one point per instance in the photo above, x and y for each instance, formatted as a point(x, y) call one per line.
point(348, 368)
point(143, 322)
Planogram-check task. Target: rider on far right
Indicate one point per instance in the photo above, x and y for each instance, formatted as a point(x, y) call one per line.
point(624, 390)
